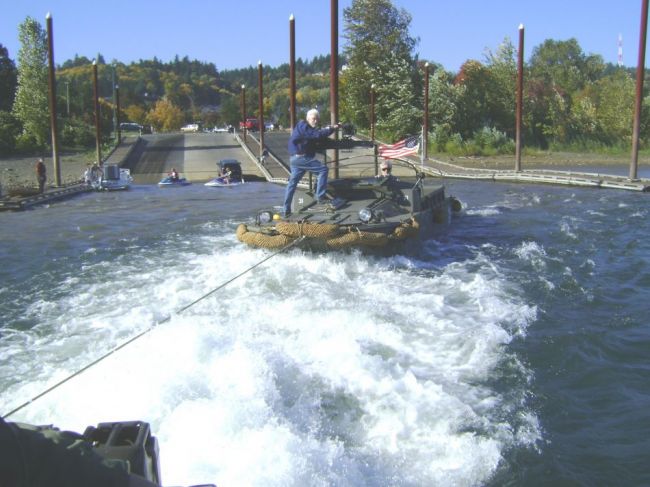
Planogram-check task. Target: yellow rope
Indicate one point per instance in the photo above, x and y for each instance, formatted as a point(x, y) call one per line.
point(368, 239)
point(311, 230)
point(324, 235)
point(255, 239)
point(406, 230)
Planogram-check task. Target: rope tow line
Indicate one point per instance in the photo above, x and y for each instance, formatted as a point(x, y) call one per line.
point(141, 334)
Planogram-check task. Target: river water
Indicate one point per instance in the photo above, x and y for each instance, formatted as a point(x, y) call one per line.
point(512, 350)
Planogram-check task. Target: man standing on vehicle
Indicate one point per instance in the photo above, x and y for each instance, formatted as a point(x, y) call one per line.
point(302, 149)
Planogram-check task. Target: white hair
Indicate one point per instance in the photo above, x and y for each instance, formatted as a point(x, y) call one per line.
point(313, 112)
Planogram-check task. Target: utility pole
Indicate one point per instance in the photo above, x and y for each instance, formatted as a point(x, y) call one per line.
point(98, 142)
point(520, 98)
point(292, 72)
point(260, 84)
point(425, 122)
point(334, 77)
point(640, 70)
point(51, 81)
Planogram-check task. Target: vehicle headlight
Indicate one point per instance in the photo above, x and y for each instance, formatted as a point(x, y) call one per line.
point(264, 217)
point(365, 215)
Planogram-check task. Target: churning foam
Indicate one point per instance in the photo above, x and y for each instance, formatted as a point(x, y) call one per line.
point(312, 369)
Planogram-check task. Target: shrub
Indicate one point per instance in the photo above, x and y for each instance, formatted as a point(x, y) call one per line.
point(486, 142)
point(455, 145)
point(10, 128)
point(27, 144)
point(77, 133)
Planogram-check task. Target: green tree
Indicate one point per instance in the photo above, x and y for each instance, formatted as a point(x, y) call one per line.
point(604, 110)
point(616, 95)
point(584, 115)
point(77, 61)
point(502, 87)
point(379, 51)
point(473, 112)
point(564, 65)
point(31, 105)
point(230, 110)
point(397, 112)
point(443, 106)
point(486, 93)
point(559, 70)
point(8, 80)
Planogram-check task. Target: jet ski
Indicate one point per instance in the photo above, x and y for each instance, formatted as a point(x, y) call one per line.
point(169, 181)
point(230, 174)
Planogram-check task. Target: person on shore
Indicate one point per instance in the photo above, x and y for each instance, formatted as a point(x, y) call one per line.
point(302, 152)
point(89, 174)
point(41, 175)
point(96, 175)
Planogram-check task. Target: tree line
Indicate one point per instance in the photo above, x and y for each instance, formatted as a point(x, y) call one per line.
point(571, 99)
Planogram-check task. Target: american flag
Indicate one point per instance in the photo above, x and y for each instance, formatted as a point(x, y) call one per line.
point(403, 148)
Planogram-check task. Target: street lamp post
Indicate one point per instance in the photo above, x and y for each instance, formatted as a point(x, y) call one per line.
point(425, 122)
point(67, 97)
point(117, 107)
point(98, 143)
point(243, 110)
point(372, 125)
point(114, 113)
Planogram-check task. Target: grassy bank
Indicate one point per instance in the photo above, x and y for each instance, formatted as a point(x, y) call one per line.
point(20, 172)
point(532, 159)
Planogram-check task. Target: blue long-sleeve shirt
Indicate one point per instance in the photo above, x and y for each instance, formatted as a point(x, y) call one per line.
point(303, 138)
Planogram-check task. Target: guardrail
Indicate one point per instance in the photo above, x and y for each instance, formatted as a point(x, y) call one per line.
point(568, 178)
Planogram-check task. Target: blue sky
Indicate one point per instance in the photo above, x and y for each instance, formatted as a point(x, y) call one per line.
point(238, 33)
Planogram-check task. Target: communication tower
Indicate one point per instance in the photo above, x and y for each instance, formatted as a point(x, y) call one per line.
point(620, 50)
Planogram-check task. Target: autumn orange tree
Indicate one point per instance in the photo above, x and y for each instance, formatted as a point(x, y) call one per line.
point(165, 116)
point(135, 113)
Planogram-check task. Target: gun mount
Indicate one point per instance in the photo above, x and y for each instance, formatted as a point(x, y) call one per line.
point(346, 142)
